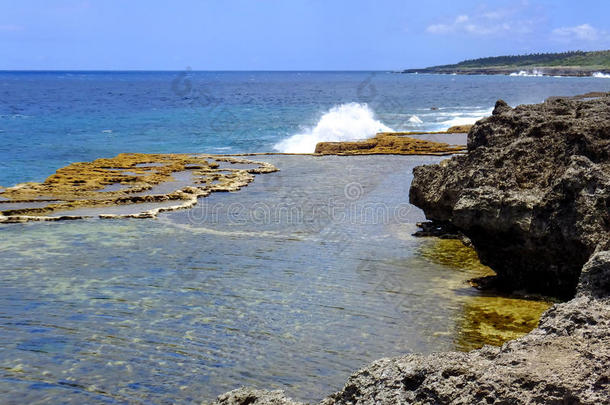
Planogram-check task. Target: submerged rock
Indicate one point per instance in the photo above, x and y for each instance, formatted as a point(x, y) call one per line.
point(565, 360)
point(532, 194)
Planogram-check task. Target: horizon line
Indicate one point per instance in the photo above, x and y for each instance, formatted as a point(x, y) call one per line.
point(202, 70)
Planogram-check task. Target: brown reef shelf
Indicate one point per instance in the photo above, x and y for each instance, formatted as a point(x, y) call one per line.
point(145, 184)
point(396, 143)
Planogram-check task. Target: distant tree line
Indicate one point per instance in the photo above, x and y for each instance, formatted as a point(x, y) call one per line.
point(571, 58)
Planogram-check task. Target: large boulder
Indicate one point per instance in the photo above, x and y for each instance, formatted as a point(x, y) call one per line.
point(533, 192)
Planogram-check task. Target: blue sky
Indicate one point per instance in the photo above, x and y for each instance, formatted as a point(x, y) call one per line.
point(289, 35)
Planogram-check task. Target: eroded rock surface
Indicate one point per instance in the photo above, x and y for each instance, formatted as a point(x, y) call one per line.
point(127, 179)
point(394, 143)
point(250, 396)
point(533, 192)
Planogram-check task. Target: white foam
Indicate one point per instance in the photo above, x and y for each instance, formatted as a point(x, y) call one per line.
point(601, 75)
point(525, 73)
point(465, 119)
point(345, 122)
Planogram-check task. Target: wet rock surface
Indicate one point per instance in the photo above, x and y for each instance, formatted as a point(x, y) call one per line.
point(533, 192)
point(443, 230)
point(395, 143)
point(250, 396)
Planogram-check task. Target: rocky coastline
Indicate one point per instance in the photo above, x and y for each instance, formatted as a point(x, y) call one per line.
point(532, 70)
point(532, 192)
point(533, 196)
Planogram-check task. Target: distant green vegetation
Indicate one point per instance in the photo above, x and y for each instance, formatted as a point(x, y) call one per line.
point(563, 59)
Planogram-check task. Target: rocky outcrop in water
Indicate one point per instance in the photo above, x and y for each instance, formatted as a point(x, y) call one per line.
point(388, 144)
point(250, 396)
point(532, 194)
point(395, 143)
point(128, 179)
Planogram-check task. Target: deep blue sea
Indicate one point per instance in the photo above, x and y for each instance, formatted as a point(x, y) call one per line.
point(49, 119)
point(292, 283)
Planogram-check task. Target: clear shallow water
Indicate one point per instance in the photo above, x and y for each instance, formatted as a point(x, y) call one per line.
point(50, 119)
point(294, 282)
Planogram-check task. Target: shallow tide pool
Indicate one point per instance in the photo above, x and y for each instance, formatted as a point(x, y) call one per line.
point(292, 283)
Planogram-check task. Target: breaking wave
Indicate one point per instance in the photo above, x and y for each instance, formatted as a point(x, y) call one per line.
point(445, 117)
point(345, 122)
point(465, 118)
point(601, 75)
point(525, 73)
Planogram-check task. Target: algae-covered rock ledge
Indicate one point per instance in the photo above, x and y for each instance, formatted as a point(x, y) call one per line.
point(140, 185)
point(396, 143)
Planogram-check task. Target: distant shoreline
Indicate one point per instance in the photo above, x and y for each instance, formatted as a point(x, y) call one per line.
point(514, 71)
point(573, 64)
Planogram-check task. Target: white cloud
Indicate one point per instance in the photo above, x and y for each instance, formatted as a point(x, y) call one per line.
point(445, 28)
point(485, 22)
point(439, 28)
point(493, 15)
point(584, 32)
point(461, 19)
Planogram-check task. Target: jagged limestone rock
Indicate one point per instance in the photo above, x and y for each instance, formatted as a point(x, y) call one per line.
point(533, 192)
